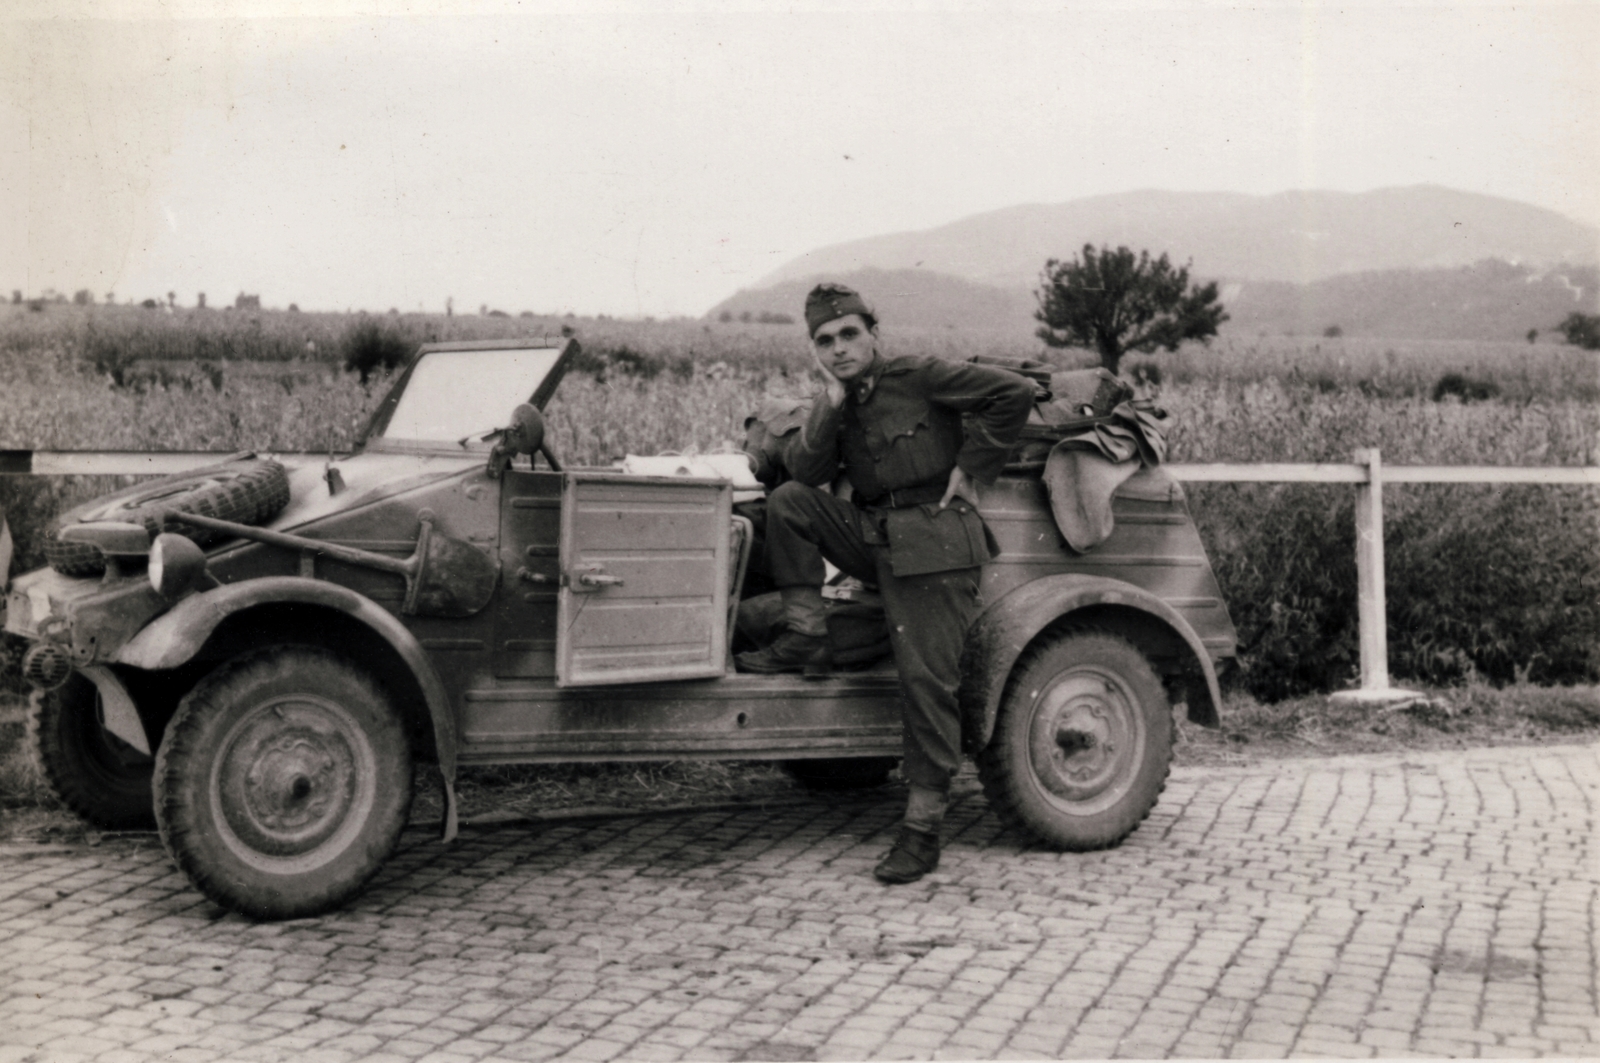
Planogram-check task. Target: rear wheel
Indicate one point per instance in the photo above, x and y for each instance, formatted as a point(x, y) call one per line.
point(283, 783)
point(1082, 744)
point(841, 773)
point(92, 771)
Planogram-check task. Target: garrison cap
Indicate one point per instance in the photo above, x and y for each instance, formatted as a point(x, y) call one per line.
point(829, 301)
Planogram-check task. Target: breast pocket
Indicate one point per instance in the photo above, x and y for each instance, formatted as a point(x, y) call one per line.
point(910, 451)
point(895, 426)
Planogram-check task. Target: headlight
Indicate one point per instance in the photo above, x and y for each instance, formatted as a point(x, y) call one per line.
point(177, 566)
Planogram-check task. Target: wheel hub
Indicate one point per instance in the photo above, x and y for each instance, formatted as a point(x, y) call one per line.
point(290, 777)
point(1083, 736)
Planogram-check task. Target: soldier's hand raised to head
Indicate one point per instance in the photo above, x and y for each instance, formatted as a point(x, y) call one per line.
point(961, 486)
point(834, 387)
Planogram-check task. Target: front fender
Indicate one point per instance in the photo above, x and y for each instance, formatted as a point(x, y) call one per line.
point(1005, 629)
point(173, 638)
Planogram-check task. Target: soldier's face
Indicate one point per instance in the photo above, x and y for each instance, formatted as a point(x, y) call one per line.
point(846, 346)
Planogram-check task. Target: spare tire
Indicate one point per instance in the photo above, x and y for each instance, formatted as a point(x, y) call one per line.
point(248, 491)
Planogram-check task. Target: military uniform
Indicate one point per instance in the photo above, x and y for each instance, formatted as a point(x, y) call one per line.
point(898, 434)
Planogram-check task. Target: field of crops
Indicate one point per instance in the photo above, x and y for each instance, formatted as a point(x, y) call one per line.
point(1488, 581)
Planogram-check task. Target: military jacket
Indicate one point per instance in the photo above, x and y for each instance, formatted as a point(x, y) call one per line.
point(901, 427)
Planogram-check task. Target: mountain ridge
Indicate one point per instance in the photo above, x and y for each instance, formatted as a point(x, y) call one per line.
point(1489, 300)
point(1299, 236)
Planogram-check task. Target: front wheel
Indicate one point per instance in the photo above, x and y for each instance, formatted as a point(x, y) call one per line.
point(283, 783)
point(1083, 742)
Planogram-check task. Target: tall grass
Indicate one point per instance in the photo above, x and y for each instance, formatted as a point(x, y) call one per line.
point(1277, 419)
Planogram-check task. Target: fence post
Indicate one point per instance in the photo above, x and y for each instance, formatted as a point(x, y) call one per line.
point(1371, 610)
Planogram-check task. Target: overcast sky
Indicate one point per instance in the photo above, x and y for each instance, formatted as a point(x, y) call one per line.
point(611, 158)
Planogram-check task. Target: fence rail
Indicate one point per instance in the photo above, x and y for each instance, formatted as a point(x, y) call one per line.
point(1394, 474)
point(1367, 473)
point(162, 463)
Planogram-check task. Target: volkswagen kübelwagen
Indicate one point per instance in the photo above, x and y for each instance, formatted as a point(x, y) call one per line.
point(253, 655)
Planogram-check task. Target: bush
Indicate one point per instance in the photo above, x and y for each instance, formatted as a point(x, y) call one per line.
point(603, 361)
point(1500, 582)
point(368, 346)
point(1496, 583)
point(1582, 330)
point(1465, 388)
point(1285, 559)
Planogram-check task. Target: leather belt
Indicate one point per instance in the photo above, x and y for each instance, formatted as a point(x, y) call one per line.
point(915, 495)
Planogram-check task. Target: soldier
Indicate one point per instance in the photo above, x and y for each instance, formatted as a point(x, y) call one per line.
point(911, 527)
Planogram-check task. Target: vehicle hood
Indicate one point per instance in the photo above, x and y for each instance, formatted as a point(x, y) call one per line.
point(367, 477)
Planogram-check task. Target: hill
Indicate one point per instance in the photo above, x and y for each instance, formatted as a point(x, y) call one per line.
point(911, 296)
point(1296, 237)
point(1488, 300)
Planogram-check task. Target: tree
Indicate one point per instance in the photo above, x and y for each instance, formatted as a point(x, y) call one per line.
point(1582, 330)
point(1115, 302)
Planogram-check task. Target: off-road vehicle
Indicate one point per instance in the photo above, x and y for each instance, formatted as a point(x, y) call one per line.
point(255, 654)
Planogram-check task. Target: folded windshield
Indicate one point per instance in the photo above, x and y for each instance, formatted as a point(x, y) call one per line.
point(454, 395)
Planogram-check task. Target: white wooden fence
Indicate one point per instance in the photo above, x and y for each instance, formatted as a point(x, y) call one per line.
point(1367, 472)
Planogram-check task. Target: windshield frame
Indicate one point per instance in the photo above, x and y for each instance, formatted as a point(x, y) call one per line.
point(372, 436)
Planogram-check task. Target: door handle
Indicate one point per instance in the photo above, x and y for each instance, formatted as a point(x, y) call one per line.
point(598, 579)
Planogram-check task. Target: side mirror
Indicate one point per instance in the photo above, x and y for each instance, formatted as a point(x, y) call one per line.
point(526, 434)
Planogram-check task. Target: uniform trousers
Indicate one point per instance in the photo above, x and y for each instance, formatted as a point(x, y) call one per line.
point(928, 615)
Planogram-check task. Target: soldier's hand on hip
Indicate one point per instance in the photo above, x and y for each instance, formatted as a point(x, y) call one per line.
point(961, 486)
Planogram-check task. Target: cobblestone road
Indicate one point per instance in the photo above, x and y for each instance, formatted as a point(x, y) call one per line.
point(1436, 904)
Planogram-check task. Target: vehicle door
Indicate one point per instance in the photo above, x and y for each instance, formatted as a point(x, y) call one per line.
point(645, 575)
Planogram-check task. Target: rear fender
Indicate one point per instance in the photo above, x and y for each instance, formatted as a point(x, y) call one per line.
point(172, 639)
point(1006, 628)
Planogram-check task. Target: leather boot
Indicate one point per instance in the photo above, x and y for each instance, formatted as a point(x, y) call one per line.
point(792, 652)
point(915, 854)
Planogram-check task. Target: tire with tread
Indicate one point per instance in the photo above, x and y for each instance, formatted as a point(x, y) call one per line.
point(841, 773)
point(248, 491)
point(90, 770)
point(283, 782)
point(1083, 742)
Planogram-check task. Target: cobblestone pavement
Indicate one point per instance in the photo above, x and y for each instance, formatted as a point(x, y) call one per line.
point(1435, 904)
